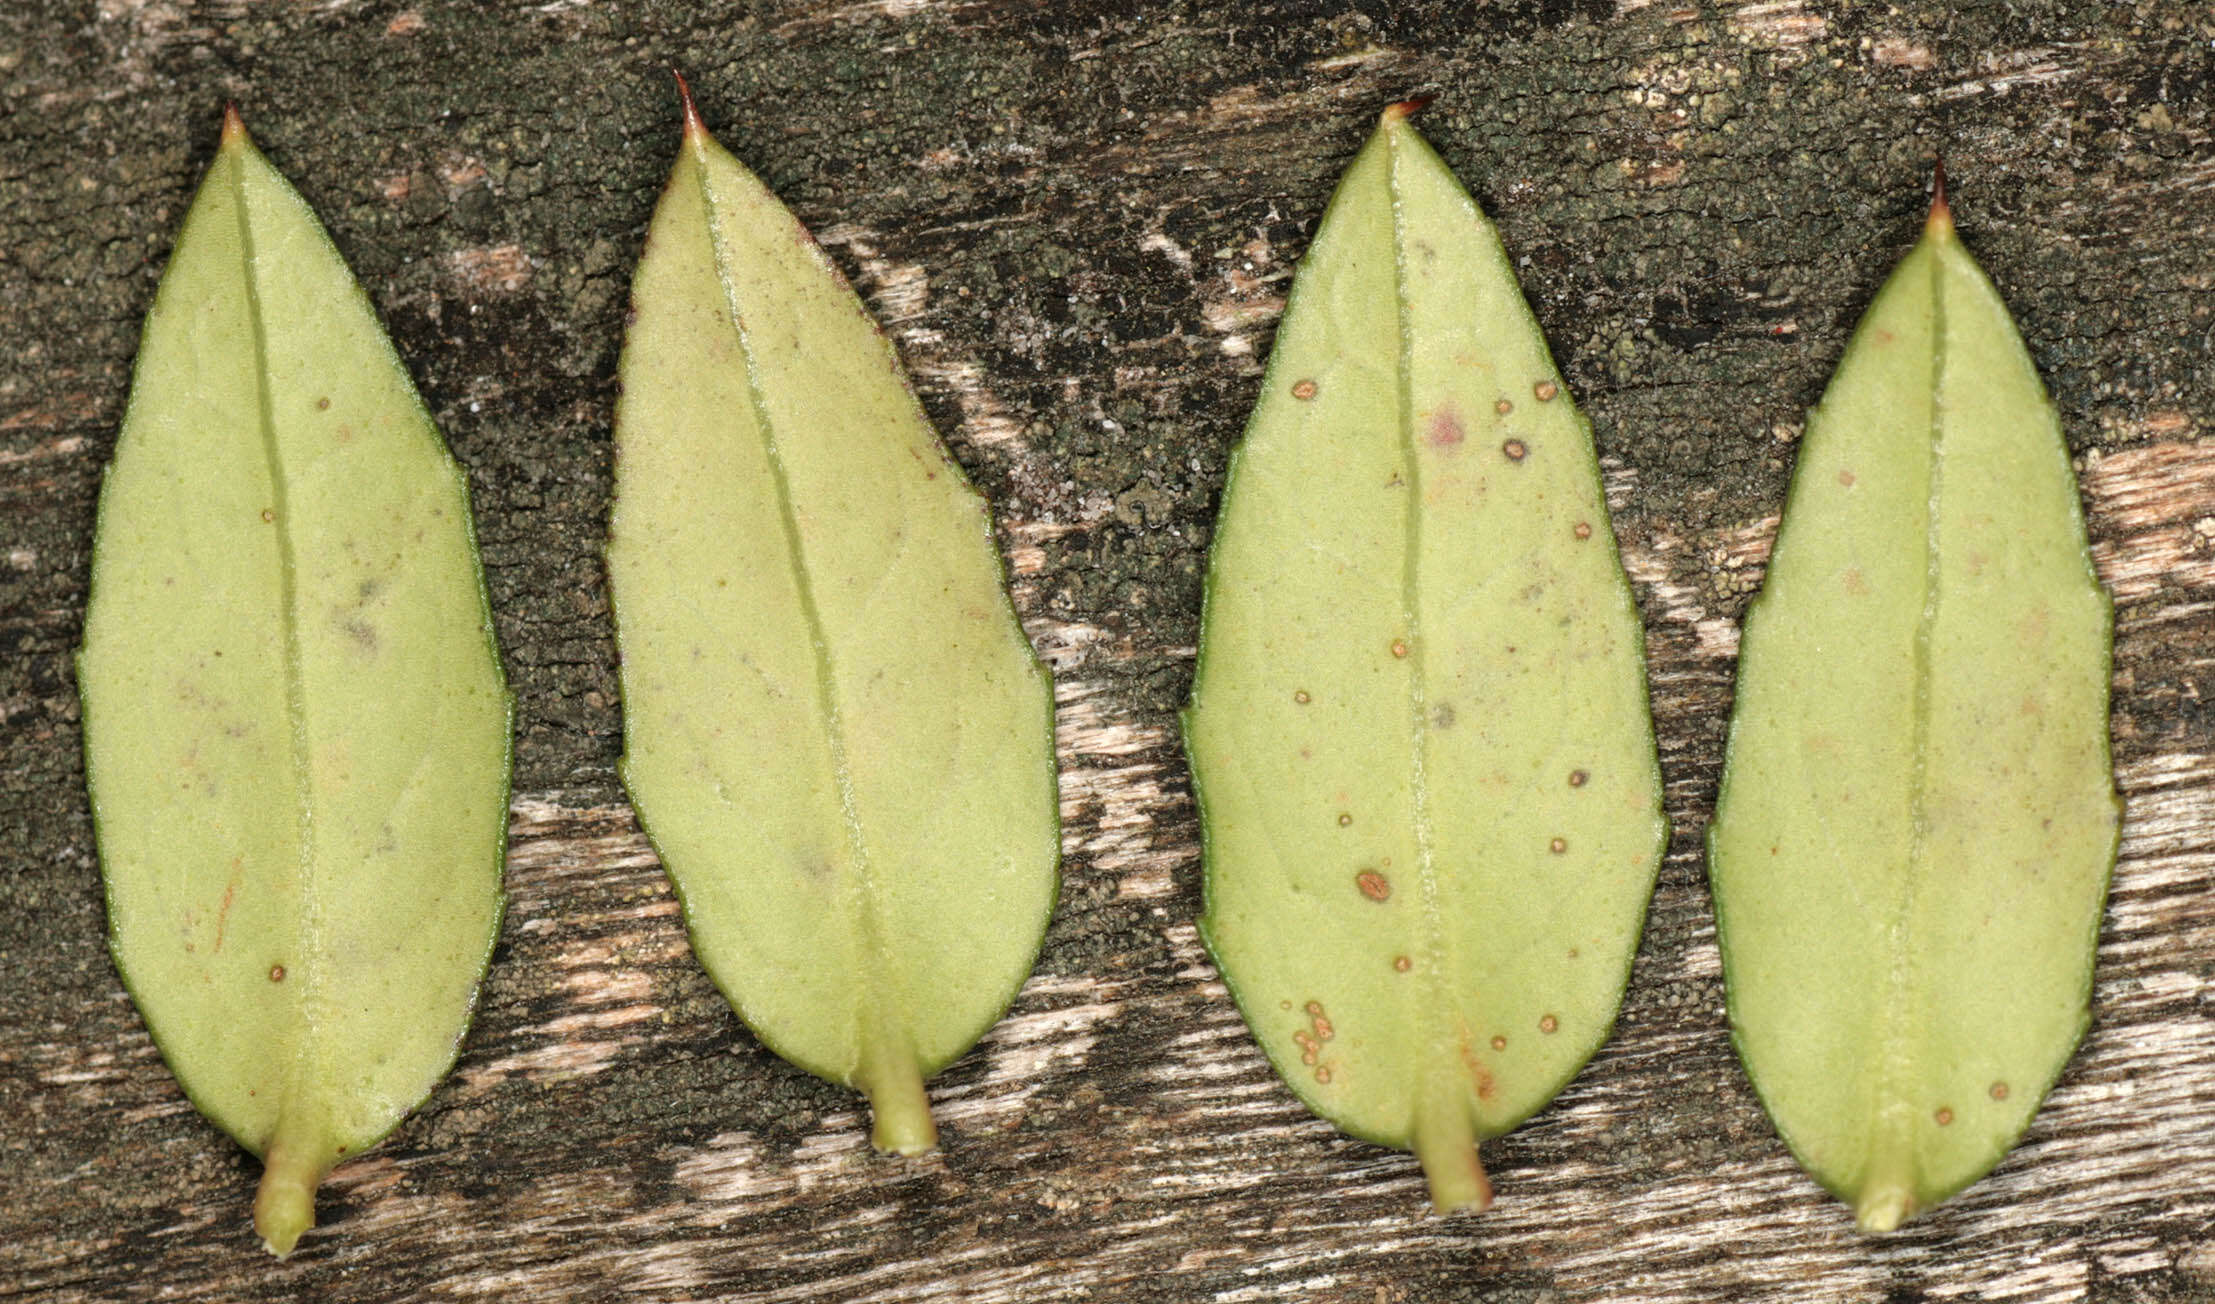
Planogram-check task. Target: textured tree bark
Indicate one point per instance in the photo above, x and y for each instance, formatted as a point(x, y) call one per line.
point(1077, 221)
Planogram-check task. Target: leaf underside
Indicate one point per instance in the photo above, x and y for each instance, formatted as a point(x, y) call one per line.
point(295, 723)
point(835, 730)
point(1429, 790)
point(1917, 818)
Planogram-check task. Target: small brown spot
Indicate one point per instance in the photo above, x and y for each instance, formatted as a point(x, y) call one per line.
point(1344, 819)
point(1999, 1091)
point(1323, 1073)
point(1402, 964)
point(1515, 450)
point(268, 514)
point(1373, 885)
point(1583, 530)
point(1558, 845)
point(1323, 1029)
point(1944, 1116)
point(1854, 582)
point(1304, 390)
point(1300, 696)
point(1578, 778)
point(276, 973)
point(1846, 478)
point(1499, 1043)
point(323, 405)
point(1445, 429)
point(342, 1150)
point(1545, 390)
point(1399, 648)
point(1314, 1009)
point(1503, 407)
point(1286, 1005)
point(1549, 1024)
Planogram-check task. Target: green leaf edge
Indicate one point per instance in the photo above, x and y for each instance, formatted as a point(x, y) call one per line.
point(459, 478)
point(1883, 1218)
point(1286, 1071)
point(1042, 676)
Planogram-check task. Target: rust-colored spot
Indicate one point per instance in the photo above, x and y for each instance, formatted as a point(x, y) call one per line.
point(268, 514)
point(1846, 478)
point(276, 973)
point(1503, 407)
point(1515, 450)
point(1323, 1029)
point(323, 405)
point(1854, 582)
point(1373, 885)
point(1499, 1043)
point(1999, 1091)
point(1344, 819)
point(1300, 696)
point(1558, 845)
point(1445, 429)
point(1583, 530)
point(1545, 390)
point(1578, 778)
point(1399, 648)
point(1314, 1009)
point(1549, 1024)
point(1323, 1073)
point(1944, 1116)
point(1479, 1075)
point(1304, 390)
point(1402, 964)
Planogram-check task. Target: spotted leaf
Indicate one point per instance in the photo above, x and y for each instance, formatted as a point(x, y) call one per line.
point(1419, 728)
point(835, 731)
point(1917, 816)
point(296, 733)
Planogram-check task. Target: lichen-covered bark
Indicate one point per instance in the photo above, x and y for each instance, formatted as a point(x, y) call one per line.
point(1077, 220)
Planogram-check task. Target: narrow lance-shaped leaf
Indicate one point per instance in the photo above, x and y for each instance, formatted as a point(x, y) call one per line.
point(296, 733)
point(1419, 728)
point(835, 730)
point(1917, 817)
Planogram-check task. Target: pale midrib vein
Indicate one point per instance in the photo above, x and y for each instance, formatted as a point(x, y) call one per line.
point(826, 682)
point(1899, 1060)
point(303, 965)
point(1434, 946)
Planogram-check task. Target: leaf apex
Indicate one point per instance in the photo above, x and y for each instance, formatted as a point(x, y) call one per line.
point(692, 124)
point(234, 127)
point(1405, 109)
point(1941, 220)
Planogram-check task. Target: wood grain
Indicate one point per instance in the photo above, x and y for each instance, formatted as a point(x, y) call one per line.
point(1078, 222)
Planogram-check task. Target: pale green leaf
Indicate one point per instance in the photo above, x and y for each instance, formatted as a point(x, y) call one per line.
point(835, 730)
point(295, 725)
point(1917, 817)
point(1419, 728)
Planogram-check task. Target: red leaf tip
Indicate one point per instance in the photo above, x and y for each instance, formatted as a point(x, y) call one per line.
point(1941, 214)
point(1406, 109)
point(234, 127)
point(692, 123)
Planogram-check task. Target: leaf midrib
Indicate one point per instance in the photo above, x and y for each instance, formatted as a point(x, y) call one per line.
point(827, 702)
point(307, 920)
point(1894, 1107)
point(1432, 991)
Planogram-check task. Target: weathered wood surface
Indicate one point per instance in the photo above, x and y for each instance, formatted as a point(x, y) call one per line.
point(1077, 221)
